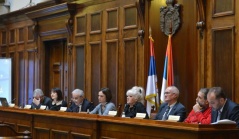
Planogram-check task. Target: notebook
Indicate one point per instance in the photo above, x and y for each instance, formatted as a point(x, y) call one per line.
point(3, 102)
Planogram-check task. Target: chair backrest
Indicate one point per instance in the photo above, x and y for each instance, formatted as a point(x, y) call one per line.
point(119, 111)
point(7, 131)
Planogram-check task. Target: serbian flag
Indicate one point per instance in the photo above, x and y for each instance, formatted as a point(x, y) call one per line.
point(168, 76)
point(152, 89)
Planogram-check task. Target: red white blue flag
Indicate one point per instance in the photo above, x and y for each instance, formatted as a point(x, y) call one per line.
point(168, 76)
point(152, 89)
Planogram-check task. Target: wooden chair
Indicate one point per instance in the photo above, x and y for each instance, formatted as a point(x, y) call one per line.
point(119, 111)
point(8, 131)
point(153, 113)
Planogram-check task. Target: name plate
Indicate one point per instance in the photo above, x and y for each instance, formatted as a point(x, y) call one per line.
point(11, 105)
point(112, 113)
point(43, 107)
point(173, 118)
point(27, 107)
point(63, 108)
point(140, 115)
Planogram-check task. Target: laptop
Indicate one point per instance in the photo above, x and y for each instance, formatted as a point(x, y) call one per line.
point(3, 102)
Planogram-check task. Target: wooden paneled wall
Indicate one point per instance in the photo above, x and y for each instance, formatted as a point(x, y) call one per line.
point(102, 47)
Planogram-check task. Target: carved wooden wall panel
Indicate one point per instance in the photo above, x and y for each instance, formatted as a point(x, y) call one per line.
point(22, 128)
point(79, 136)
point(95, 22)
point(80, 67)
point(12, 37)
point(112, 19)
point(3, 37)
point(20, 35)
point(130, 63)
point(223, 7)
point(41, 133)
point(95, 70)
point(81, 25)
point(223, 59)
point(58, 134)
point(30, 81)
point(112, 67)
point(30, 35)
point(21, 77)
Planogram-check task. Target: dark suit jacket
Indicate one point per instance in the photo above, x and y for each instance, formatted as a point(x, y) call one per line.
point(85, 105)
point(178, 109)
point(137, 108)
point(58, 107)
point(47, 102)
point(230, 111)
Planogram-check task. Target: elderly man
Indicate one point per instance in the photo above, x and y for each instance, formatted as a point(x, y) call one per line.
point(201, 112)
point(223, 108)
point(171, 105)
point(39, 99)
point(79, 102)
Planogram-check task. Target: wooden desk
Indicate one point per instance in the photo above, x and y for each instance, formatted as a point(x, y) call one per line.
point(15, 137)
point(56, 125)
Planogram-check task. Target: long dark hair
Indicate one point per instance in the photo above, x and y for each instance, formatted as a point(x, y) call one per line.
point(59, 93)
point(107, 93)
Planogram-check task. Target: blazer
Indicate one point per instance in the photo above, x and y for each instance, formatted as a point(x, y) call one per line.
point(230, 111)
point(47, 102)
point(137, 108)
point(108, 107)
point(178, 109)
point(57, 106)
point(84, 107)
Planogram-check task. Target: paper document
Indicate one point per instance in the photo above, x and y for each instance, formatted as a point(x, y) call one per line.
point(224, 121)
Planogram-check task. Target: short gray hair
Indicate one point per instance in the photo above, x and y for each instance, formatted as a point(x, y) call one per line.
point(79, 92)
point(38, 92)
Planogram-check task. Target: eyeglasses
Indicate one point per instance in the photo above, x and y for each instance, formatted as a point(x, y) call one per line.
point(167, 93)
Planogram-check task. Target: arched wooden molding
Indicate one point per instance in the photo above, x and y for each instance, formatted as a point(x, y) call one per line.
point(201, 10)
point(170, 18)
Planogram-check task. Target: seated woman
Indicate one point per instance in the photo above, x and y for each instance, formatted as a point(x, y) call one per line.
point(104, 106)
point(135, 102)
point(57, 99)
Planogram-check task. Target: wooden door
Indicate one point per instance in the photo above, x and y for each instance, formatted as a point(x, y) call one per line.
point(222, 59)
point(55, 65)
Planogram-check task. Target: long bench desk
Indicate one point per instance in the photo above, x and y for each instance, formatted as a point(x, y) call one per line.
point(62, 125)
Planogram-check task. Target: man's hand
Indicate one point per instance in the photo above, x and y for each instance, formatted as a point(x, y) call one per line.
point(197, 107)
point(36, 101)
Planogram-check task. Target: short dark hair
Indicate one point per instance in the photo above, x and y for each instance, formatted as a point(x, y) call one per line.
point(205, 92)
point(107, 93)
point(218, 91)
point(59, 93)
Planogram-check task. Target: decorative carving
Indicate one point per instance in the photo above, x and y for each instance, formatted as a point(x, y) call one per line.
point(140, 4)
point(69, 46)
point(201, 23)
point(169, 18)
point(35, 31)
point(69, 26)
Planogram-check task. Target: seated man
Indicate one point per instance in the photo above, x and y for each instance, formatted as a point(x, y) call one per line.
point(39, 99)
point(222, 107)
point(171, 106)
point(201, 112)
point(80, 103)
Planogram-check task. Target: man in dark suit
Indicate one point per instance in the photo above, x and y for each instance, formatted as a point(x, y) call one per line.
point(223, 108)
point(79, 102)
point(39, 100)
point(171, 106)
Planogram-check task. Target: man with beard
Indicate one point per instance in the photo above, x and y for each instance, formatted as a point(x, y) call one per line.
point(201, 112)
point(223, 108)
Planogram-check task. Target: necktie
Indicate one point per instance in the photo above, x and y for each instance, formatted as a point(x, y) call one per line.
point(165, 116)
point(80, 108)
point(219, 115)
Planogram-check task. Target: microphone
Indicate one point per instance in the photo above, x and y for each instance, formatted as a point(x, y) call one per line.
point(13, 100)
